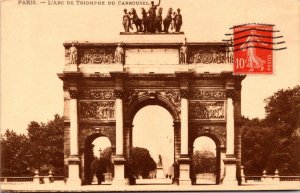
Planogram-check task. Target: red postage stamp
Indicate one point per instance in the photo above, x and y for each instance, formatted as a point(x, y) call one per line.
point(253, 49)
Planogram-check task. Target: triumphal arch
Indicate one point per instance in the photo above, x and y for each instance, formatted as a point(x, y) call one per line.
point(106, 83)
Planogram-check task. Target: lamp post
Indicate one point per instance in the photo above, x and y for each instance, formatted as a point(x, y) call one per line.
point(100, 151)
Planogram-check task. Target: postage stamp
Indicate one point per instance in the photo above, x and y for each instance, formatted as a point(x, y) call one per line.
point(253, 49)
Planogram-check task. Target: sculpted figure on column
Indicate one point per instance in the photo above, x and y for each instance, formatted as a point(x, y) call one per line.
point(119, 54)
point(73, 54)
point(183, 53)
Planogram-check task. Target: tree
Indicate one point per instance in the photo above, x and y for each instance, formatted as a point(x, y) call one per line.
point(204, 162)
point(283, 112)
point(46, 145)
point(107, 160)
point(101, 165)
point(258, 143)
point(14, 154)
point(274, 142)
point(283, 107)
point(141, 163)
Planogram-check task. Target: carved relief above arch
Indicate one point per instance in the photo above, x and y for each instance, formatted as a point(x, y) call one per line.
point(90, 133)
point(169, 99)
point(216, 133)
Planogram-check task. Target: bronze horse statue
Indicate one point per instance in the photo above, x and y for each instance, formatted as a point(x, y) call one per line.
point(136, 20)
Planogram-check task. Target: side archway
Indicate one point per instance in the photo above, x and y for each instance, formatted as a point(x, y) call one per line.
point(90, 153)
point(212, 173)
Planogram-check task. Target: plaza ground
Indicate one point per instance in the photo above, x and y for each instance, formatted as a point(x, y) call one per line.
point(61, 187)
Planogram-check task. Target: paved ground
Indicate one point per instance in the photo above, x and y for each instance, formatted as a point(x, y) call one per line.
point(60, 186)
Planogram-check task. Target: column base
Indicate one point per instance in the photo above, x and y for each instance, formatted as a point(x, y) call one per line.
point(71, 68)
point(73, 182)
point(119, 165)
point(184, 170)
point(74, 178)
point(119, 182)
point(230, 171)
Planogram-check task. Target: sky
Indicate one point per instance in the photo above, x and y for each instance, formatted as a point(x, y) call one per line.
point(32, 51)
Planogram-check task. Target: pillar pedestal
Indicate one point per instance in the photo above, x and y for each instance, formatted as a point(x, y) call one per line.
point(73, 178)
point(184, 170)
point(230, 171)
point(71, 68)
point(119, 164)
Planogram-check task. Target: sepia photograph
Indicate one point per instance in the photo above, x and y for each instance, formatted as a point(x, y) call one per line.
point(150, 95)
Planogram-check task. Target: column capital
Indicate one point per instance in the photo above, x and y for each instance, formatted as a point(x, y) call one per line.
point(230, 93)
point(119, 78)
point(230, 159)
point(74, 93)
point(184, 93)
point(73, 159)
point(118, 159)
point(183, 78)
point(119, 93)
point(184, 159)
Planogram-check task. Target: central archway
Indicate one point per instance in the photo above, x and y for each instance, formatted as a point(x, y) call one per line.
point(153, 131)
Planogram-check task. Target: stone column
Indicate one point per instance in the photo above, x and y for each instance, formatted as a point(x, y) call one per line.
point(127, 151)
point(222, 169)
point(176, 150)
point(73, 159)
point(118, 159)
point(184, 160)
point(230, 159)
point(119, 122)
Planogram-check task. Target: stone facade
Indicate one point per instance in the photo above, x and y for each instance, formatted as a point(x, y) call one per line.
point(109, 94)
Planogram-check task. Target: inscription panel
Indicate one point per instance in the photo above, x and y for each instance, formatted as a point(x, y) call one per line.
point(152, 56)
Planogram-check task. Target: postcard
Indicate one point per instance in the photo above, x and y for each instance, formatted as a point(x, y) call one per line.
point(141, 95)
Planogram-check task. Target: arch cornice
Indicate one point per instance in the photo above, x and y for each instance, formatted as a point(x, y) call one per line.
point(170, 100)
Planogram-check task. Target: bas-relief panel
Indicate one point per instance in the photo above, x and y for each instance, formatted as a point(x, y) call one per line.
point(97, 56)
point(208, 55)
point(218, 131)
point(87, 131)
point(207, 110)
point(171, 95)
point(97, 94)
point(97, 104)
point(208, 94)
point(207, 104)
point(97, 110)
